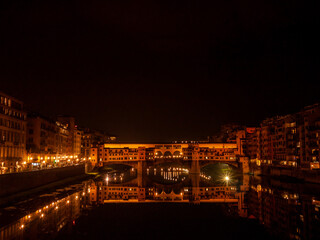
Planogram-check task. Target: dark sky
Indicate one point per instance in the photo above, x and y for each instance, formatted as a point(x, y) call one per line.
point(161, 70)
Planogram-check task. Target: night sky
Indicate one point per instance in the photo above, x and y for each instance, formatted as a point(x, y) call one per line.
point(161, 70)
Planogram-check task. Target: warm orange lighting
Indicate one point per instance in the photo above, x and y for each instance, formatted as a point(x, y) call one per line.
point(259, 188)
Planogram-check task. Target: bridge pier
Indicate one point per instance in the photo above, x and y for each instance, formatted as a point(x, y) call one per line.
point(244, 164)
point(141, 171)
point(194, 175)
point(195, 167)
point(88, 167)
point(195, 183)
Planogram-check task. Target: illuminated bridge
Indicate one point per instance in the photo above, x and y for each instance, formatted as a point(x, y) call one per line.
point(196, 155)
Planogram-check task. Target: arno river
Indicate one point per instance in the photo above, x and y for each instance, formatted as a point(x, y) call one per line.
point(167, 201)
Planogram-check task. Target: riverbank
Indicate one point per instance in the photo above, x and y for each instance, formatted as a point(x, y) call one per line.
point(17, 206)
point(15, 183)
point(11, 199)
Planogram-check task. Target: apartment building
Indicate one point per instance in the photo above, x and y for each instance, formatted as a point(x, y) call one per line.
point(90, 138)
point(46, 140)
point(75, 135)
point(292, 140)
point(12, 134)
point(278, 141)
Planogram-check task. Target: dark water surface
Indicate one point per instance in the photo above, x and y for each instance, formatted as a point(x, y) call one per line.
point(168, 202)
point(162, 221)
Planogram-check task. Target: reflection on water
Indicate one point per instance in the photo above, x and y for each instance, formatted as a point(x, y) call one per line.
point(48, 219)
point(117, 176)
point(287, 210)
point(167, 175)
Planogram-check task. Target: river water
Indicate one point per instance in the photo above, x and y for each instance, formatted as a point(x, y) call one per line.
point(167, 201)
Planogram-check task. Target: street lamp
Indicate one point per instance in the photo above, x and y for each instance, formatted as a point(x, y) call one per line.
point(107, 180)
point(227, 178)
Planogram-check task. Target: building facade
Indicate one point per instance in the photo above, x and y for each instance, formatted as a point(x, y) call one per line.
point(90, 138)
point(308, 130)
point(77, 142)
point(278, 141)
point(46, 141)
point(74, 137)
point(291, 141)
point(12, 134)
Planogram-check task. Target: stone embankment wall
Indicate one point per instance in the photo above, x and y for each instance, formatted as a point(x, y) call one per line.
point(18, 182)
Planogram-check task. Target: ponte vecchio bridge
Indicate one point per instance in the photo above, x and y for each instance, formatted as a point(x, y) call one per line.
point(196, 155)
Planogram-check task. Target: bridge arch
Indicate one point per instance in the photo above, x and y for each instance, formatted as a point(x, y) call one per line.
point(232, 164)
point(158, 153)
point(167, 154)
point(177, 154)
point(126, 163)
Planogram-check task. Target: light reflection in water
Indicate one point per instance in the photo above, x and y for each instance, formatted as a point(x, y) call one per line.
point(46, 221)
point(168, 174)
point(285, 209)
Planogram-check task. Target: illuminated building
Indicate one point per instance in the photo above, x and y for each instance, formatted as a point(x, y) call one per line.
point(309, 140)
point(12, 134)
point(292, 140)
point(93, 159)
point(121, 154)
point(50, 143)
point(77, 142)
point(278, 141)
point(46, 140)
point(72, 128)
point(62, 138)
point(91, 138)
point(41, 135)
point(205, 152)
point(75, 135)
point(250, 146)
